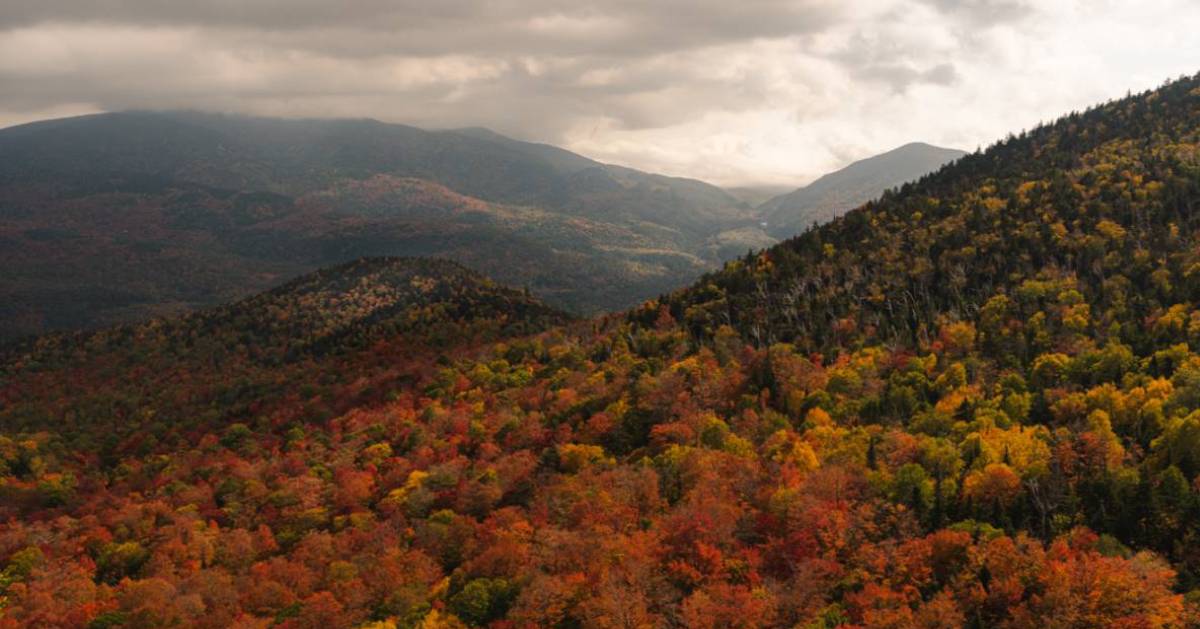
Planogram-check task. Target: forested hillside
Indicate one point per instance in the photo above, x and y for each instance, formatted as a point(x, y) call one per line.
point(146, 387)
point(972, 403)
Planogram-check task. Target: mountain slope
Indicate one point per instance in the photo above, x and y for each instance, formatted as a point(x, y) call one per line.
point(836, 193)
point(116, 217)
point(294, 156)
point(235, 361)
point(1048, 204)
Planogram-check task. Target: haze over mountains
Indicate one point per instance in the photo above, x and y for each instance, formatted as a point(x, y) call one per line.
point(118, 217)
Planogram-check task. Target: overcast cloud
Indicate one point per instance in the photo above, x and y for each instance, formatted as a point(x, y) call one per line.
point(731, 91)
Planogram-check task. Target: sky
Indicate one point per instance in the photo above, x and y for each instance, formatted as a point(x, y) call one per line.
point(735, 92)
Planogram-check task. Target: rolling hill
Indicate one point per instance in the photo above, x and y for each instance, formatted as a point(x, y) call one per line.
point(164, 378)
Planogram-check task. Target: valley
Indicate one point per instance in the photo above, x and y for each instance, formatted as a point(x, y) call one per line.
point(119, 218)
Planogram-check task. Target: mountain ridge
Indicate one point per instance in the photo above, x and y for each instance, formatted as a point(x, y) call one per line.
point(188, 208)
point(297, 139)
point(840, 191)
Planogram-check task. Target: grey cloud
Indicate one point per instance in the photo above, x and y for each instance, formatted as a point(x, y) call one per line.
point(693, 87)
point(526, 66)
point(889, 55)
point(421, 27)
point(985, 12)
point(941, 74)
point(900, 77)
point(266, 14)
point(314, 56)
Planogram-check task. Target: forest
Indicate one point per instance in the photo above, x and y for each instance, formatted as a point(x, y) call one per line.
point(971, 403)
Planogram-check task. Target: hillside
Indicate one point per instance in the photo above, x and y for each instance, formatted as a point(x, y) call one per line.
point(118, 217)
point(160, 380)
point(838, 192)
point(294, 156)
point(970, 403)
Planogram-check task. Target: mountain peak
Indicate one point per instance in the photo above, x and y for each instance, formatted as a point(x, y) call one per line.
point(838, 192)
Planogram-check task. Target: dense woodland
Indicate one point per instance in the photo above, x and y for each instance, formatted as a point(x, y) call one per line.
point(972, 403)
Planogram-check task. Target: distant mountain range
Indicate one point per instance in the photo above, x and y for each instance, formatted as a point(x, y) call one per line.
point(118, 217)
point(841, 191)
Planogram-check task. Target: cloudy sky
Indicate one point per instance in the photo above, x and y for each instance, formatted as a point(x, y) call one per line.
point(732, 91)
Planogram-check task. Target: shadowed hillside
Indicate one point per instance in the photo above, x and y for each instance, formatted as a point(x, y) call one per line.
point(169, 376)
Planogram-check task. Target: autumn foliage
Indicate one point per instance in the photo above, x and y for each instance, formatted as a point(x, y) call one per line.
point(971, 404)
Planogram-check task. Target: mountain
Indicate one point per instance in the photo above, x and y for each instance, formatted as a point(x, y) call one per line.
point(838, 192)
point(972, 402)
point(118, 217)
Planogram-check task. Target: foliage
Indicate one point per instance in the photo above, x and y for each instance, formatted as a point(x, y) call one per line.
point(972, 403)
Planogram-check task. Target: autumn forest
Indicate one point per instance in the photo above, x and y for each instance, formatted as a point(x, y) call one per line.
point(971, 402)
